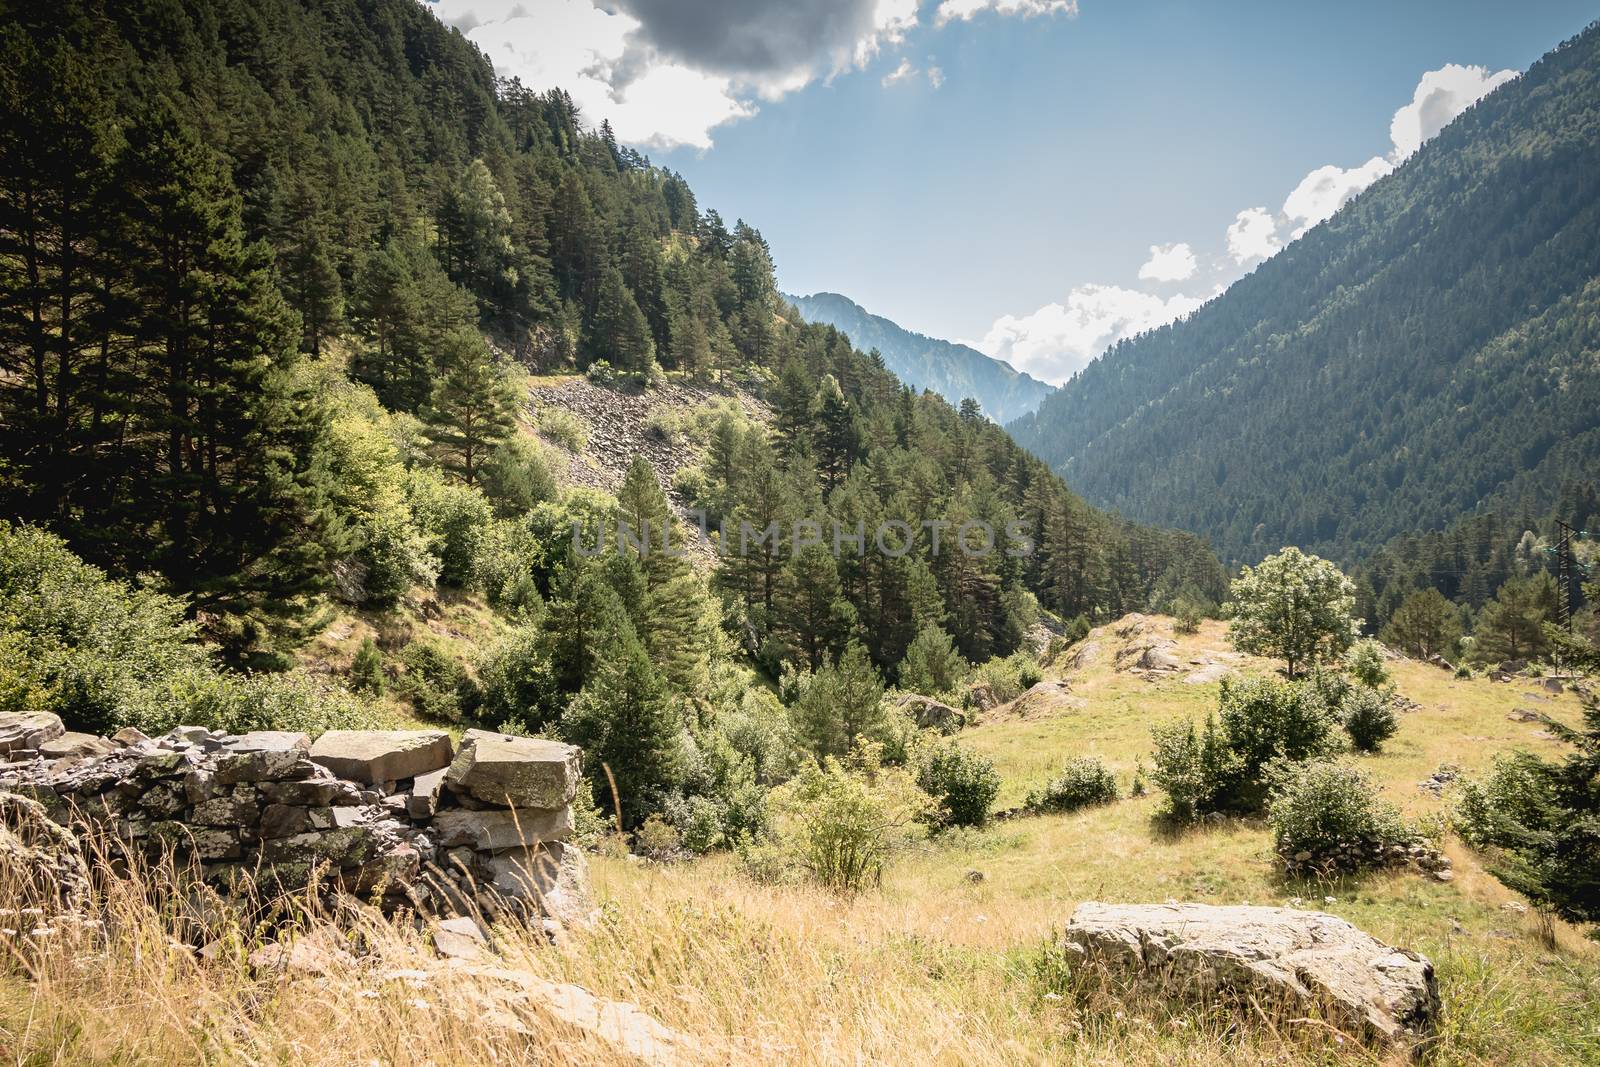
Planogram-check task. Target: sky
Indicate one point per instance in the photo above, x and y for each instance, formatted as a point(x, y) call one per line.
point(1036, 178)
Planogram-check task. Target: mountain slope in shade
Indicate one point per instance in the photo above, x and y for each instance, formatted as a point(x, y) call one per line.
point(1430, 351)
point(952, 370)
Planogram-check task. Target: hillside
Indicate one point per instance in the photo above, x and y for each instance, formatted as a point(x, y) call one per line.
point(952, 959)
point(1429, 351)
point(954, 371)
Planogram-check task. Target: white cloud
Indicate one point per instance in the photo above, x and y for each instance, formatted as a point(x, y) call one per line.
point(1056, 341)
point(899, 74)
point(1169, 263)
point(935, 77)
point(951, 10)
point(1253, 235)
point(1440, 96)
point(1327, 189)
point(667, 74)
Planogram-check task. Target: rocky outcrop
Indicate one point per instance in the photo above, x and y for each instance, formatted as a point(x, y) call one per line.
point(397, 816)
point(1044, 700)
point(931, 714)
point(1302, 963)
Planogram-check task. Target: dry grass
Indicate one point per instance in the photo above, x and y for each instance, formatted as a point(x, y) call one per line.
point(934, 968)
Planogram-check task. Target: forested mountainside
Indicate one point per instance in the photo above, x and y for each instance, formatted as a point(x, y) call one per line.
point(1431, 351)
point(954, 371)
point(275, 275)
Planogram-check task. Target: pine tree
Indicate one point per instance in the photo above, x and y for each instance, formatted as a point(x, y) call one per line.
point(470, 412)
point(839, 704)
point(672, 616)
point(1424, 625)
point(1511, 627)
point(932, 665)
point(813, 618)
point(626, 725)
point(618, 331)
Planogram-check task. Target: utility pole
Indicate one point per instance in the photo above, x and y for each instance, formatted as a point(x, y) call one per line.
point(1564, 603)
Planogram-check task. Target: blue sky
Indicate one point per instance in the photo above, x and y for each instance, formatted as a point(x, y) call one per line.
point(1008, 186)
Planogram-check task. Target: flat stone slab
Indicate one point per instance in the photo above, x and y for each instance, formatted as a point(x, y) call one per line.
point(493, 830)
point(1301, 961)
point(519, 772)
point(72, 743)
point(375, 756)
point(28, 729)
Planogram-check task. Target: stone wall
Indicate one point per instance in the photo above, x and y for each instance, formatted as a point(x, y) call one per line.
point(404, 817)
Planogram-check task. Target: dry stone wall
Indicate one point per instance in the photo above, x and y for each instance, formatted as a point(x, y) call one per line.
point(406, 817)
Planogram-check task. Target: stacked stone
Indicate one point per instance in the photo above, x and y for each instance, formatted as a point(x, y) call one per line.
point(400, 815)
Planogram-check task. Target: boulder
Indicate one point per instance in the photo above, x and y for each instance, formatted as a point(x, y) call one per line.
point(28, 730)
point(72, 743)
point(493, 830)
point(930, 714)
point(263, 756)
point(44, 858)
point(1301, 962)
point(554, 876)
point(519, 772)
point(377, 756)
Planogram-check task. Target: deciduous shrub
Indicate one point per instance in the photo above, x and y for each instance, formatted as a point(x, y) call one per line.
point(1365, 664)
point(1327, 817)
point(962, 783)
point(366, 670)
point(1221, 768)
point(565, 428)
point(436, 682)
point(1083, 782)
point(1369, 718)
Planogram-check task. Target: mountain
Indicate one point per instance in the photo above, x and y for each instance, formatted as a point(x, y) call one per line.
point(1431, 351)
point(953, 371)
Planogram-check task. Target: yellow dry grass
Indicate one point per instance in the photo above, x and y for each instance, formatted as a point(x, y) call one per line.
point(936, 967)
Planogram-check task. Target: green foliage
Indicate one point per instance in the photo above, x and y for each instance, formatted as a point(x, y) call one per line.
point(838, 705)
point(1269, 416)
point(962, 783)
point(1366, 665)
point(1369, 718)
point(436, 681)
point(1326, 817)
point(366, 669)
point(564, 428)
point(1292, 607)
point(1425, 625)
point(454, 519)
point(1082, 782)
point(1511, 627)
point(1010, 676)
point(1539, 821)
point(519, 688)
point(932, 666)
point(517, 476)
point(838, 824)
point(1223, 767)
point(470, 413)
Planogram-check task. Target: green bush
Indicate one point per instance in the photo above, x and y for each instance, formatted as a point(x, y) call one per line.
point(1077, 629)
point(1326, 818)
point(1222, 767)
point(1083, 782)
point(366, 669)
point(931, 665)
point(1010, 676)
point(239, 703)
point(393, 556)
point(1365, 664)
point(564, 428)
point(838, 825)
point(1369, 718)
point(517, 476)
point(518, 687)
point(435, 682)
point(454, 518)
point(962, 783)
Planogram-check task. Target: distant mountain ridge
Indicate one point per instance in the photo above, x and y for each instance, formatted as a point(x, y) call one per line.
point(954, 371)
point(1431, 351)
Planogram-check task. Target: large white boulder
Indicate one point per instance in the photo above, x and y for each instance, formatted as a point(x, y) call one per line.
point(517, 772)
point(1302, 962)
point(377, 756)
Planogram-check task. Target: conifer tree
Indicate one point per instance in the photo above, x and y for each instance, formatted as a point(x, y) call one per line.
point(470, 412)
point(618, 331)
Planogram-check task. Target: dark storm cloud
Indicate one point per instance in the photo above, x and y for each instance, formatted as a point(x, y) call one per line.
point(754, 38)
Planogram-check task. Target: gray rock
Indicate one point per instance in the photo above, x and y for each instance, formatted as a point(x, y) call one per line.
point(130, 735)
point(1301, 961)
point(519, 772)
point(319, 789)
point(236, 808)
point(555, 877)
point(267, 756)
point(459, 938)
point(71, 743)
point(930, 714)
point(423, 800)
point(28, 730)
point(377, 756)
point(491, 831)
